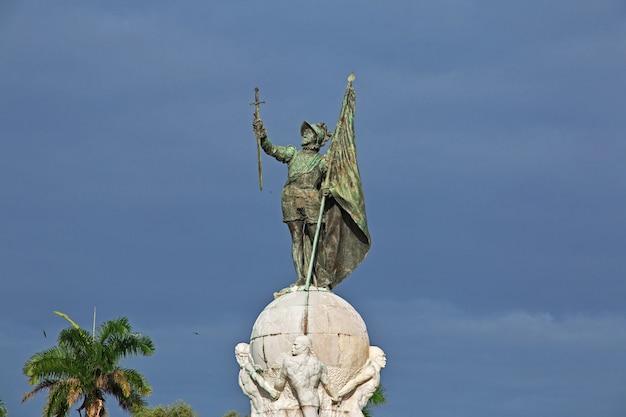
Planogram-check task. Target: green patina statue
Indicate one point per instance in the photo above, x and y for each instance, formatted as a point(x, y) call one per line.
point(301, 196)
point(322, 200)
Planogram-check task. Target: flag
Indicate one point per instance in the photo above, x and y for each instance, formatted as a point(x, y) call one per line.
point(346, 239)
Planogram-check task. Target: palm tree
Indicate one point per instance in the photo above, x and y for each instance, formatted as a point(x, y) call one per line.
point(85, 366)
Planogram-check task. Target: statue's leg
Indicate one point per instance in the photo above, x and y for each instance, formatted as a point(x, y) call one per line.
point(297, 252)
point(308, 411)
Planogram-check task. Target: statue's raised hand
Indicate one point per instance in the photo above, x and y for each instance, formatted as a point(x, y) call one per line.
point(259, 128)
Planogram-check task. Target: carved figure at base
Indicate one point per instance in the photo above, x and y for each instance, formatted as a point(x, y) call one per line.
point(252, 383)
point(301, 197)
point(304, 373)
point(356, 393)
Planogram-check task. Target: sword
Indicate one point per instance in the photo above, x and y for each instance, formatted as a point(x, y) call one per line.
point(257, 116)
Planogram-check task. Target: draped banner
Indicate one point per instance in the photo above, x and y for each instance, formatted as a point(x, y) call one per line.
point(346, 239)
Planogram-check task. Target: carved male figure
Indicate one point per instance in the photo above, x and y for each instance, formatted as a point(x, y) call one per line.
point(301, 196)
point(304, 373)
point(361, 388)
point(250, 380)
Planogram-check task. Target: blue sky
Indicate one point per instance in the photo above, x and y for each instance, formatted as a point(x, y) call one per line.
point(491, 147)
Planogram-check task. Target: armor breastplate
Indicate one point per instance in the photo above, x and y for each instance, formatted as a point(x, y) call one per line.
point(305, 170)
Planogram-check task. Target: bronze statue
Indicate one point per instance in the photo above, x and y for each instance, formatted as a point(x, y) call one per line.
point(301, 196)
point(322, 200)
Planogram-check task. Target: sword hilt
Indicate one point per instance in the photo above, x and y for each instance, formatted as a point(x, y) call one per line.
point(256, 103)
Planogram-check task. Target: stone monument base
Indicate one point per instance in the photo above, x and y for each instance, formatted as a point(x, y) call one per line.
point(339, 341)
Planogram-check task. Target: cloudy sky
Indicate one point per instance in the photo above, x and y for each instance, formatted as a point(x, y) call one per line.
point(491, 139)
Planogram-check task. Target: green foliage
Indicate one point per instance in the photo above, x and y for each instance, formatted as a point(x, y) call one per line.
point(376, 399)
point(178, 409)
point(3, 409)
point(85, 366)
point(234, 413)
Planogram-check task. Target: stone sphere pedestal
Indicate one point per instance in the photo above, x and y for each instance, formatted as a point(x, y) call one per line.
point(337, 332)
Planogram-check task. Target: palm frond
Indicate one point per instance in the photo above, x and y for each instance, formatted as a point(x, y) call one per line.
point(50, 363)
point(376, 399)
point(77, 340)
point(57, 403)
point(3, 409)
point(118, 379)
point(120, 341)
point(66, 317)
point(137, 381)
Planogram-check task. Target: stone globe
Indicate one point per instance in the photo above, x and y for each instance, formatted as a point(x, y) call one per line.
point(337, 331)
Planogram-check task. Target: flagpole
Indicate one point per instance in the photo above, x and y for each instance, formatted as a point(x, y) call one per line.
point(319, 219)
point(315, 240)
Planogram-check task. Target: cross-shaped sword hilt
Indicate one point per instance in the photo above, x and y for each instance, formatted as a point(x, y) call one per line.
point(256, 103)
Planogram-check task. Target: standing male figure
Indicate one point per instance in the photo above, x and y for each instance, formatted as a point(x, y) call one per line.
point(304, 373)
point(251, 382)
point(301, 196)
